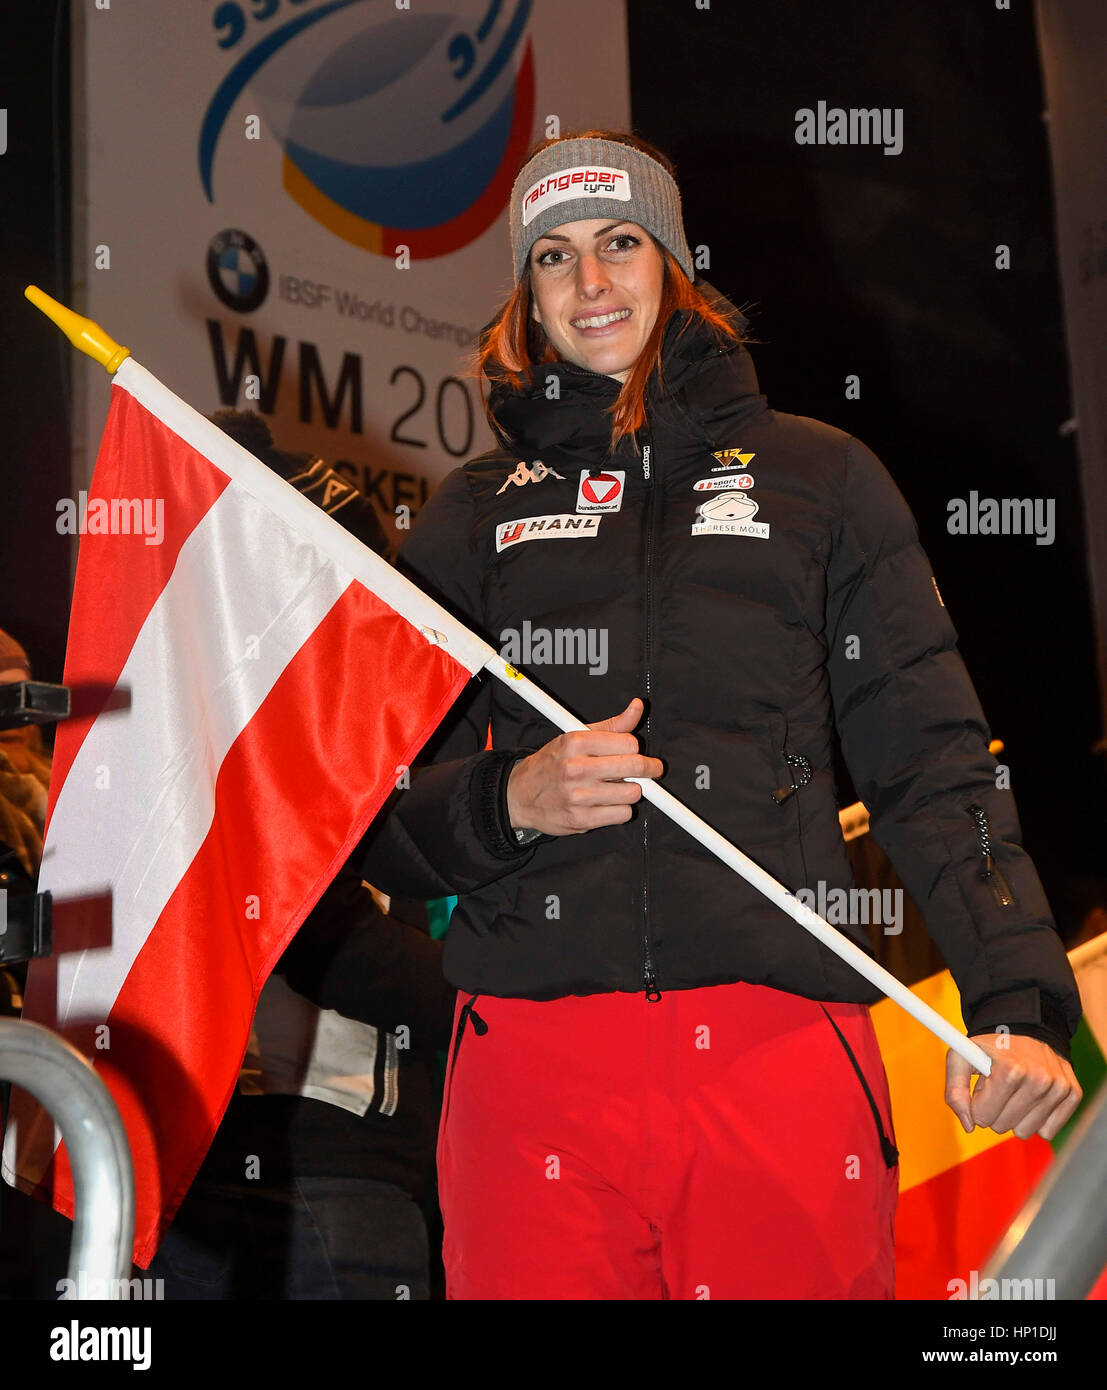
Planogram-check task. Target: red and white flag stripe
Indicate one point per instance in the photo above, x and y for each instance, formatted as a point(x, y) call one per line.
point(255, 679)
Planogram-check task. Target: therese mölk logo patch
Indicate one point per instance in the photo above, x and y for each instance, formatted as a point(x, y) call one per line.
point(729, 514)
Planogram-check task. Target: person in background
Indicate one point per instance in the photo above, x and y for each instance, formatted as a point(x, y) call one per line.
point(319, 1183)
point(24, 784)
point(309, 474)
point(34, 1239)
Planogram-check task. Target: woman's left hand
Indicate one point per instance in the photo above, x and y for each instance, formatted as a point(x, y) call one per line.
point(1030, 1090)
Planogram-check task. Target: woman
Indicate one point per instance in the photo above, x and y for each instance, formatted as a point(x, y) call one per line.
point(661, 1085)
point(24, 784)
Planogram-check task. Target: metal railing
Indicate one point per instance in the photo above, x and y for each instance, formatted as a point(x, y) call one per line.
point(103, 1179)
point(1058, 1241)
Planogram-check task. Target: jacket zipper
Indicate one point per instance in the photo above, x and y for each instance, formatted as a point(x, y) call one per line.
point(988, 869)
point(800, 770)
point(649, 975)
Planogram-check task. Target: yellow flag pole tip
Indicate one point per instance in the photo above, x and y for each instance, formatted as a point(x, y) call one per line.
point(81, 332)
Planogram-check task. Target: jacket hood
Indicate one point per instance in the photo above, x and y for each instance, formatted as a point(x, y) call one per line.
point(709, 381)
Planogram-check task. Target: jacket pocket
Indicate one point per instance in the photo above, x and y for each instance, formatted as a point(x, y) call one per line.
point(793, 769)
point(467, 1015)
point(790, 771)
point(989, 872)
point(888, 1150)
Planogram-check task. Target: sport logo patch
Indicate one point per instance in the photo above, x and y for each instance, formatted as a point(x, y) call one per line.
point(532, 473)
point(601, 492)
point(599, 181)
point(742, 480)
point(561, 527)
point(731, 458)
point(729, 514)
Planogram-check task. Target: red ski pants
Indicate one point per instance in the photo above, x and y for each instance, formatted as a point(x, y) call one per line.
point(717, 1143)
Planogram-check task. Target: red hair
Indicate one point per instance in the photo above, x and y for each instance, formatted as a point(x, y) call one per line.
point(515, 342)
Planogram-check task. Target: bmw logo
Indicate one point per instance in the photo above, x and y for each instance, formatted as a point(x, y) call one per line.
point(238, 271)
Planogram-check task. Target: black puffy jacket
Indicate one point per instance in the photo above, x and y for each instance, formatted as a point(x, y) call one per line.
point(754, 617)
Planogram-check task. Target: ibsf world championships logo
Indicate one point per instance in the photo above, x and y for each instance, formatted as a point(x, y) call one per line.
point(396, 128)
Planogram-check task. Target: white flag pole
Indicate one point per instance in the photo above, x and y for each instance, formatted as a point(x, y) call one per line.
point(852, 954)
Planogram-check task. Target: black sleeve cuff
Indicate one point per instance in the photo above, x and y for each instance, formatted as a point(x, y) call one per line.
point(1051, 1029)
point(488, 797)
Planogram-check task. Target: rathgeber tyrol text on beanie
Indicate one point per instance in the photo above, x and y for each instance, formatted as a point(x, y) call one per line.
point(575, 180)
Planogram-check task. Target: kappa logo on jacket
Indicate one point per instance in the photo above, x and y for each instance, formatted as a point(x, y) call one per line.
point(565, 526)
point(532, 473)
point(729, 514)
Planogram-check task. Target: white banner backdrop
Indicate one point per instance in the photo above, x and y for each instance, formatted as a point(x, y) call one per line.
point(1072, 38)
point(245, 175)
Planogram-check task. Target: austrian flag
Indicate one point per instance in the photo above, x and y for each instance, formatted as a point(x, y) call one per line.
point(246, 692)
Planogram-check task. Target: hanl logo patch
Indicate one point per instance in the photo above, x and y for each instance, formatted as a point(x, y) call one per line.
point(565, 526)
point(601, 492)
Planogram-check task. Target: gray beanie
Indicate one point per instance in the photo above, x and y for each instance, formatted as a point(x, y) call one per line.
point(577, 179)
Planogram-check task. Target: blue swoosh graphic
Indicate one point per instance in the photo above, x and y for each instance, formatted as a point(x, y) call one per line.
point(415, 196)
point(368, 62)
point(228, 91)
point(495, 63)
